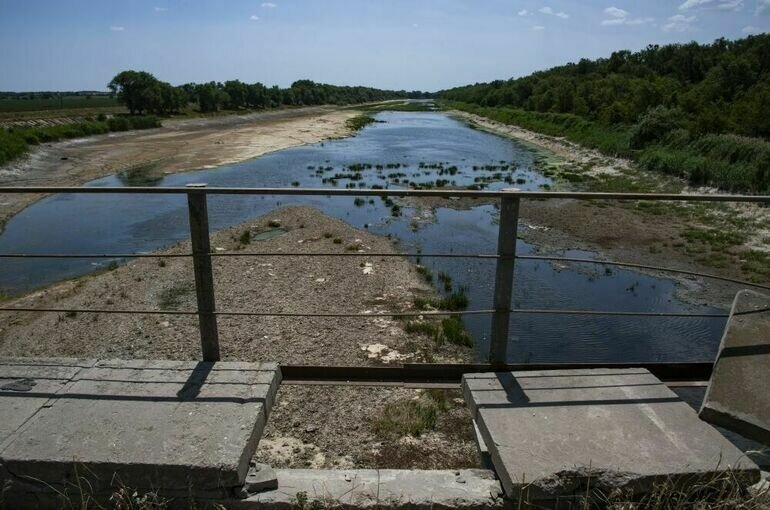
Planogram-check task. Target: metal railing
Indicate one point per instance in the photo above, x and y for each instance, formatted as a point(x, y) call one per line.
point(509, 202)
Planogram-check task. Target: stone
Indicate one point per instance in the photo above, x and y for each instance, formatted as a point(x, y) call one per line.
point(470, 489)
point(551, 433)
point(259, 478)
point(738, 398)
point(166, 425)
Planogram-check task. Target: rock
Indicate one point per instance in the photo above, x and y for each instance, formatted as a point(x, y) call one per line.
point(260, 477)
point(311, 429)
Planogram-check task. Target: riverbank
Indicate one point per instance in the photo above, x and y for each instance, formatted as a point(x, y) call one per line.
point(180, 145)
point(730, 240)
point(284, 285)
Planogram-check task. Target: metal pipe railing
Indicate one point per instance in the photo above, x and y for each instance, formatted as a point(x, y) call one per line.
point(505, 258)
point(442, 193)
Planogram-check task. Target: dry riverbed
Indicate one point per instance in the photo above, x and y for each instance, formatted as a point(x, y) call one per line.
point(178, 146)
point(322, 426)
point(730, 240)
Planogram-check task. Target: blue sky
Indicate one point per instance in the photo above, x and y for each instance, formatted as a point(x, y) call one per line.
point(399, 44)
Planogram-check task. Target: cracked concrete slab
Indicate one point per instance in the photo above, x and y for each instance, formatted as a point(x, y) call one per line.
point(550, 432)
point(172, 425)
point(467, 489)
point(737, 397)
point(35, 380)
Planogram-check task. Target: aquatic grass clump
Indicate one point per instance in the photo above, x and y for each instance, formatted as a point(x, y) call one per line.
point(454, 302)
point(425, 273)
point(449, 330)
point(359, 122)
point(444, 278)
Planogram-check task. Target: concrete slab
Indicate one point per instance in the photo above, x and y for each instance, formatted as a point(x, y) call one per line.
point(754, 450)
point(738, 398)
point(170, 425)
point(550, 432)
point(467, 489)
point(484, 456)
point(34, 380)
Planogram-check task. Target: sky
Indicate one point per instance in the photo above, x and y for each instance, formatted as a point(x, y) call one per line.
point(392, 44)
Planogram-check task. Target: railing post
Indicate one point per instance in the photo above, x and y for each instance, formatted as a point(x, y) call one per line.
point(506, 251)
point(204, 279)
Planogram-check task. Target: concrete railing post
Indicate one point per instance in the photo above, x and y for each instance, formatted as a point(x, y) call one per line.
point(506, 250)
point(204, 278)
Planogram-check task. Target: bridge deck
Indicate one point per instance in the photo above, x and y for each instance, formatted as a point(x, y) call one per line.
point(156, 424)
point(549, 432)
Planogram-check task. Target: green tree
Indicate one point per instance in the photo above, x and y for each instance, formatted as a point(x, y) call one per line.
point(135, 89)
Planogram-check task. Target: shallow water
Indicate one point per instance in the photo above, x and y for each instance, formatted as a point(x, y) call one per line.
point(419, 147)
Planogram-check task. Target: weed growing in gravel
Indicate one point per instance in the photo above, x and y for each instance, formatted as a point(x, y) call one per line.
point(410, 417)
point(173, 296)
point(245, 238)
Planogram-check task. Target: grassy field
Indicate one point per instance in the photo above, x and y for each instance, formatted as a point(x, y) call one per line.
point(10, 105)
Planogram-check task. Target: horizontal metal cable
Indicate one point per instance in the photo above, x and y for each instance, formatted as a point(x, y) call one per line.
point(97, 310)
point(611, 313)
point(371, 315)
point(240, 254)
point(643, 266)
point(359, 315)
point(389, 192)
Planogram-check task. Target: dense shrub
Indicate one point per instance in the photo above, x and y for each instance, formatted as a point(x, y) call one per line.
point(731, 162)
point(15, 142)
point(119, 123)
point(655, 125)
point(11, 145)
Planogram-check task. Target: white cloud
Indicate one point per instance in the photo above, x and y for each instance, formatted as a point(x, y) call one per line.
point(762, 6)
point(161, 9)
point(269, 5)
point(614, 12)
point(547, 10)
point(750, 30)
point(524, 12)
point(538, 28)
point(117, 29)
point(679, 23)
point(724, 5)
point(618, 16)
point(253, 17)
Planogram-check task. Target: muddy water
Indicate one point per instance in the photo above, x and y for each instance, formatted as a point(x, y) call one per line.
point(411, 147)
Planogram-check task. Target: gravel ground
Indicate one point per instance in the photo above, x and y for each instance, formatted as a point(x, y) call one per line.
point(333, 427)
point(265, 284)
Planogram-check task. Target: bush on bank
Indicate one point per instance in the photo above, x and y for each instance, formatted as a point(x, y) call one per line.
point(657, 143)
point(16, 141)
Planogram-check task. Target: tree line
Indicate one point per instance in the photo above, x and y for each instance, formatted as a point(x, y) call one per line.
point(141, 93)
point(723, 87)
point(697, 111)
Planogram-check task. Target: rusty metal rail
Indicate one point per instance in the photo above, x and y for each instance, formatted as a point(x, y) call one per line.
point(505, 258)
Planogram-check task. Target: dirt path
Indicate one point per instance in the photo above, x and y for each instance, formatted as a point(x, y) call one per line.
point(659, 235)
point(178, 146)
